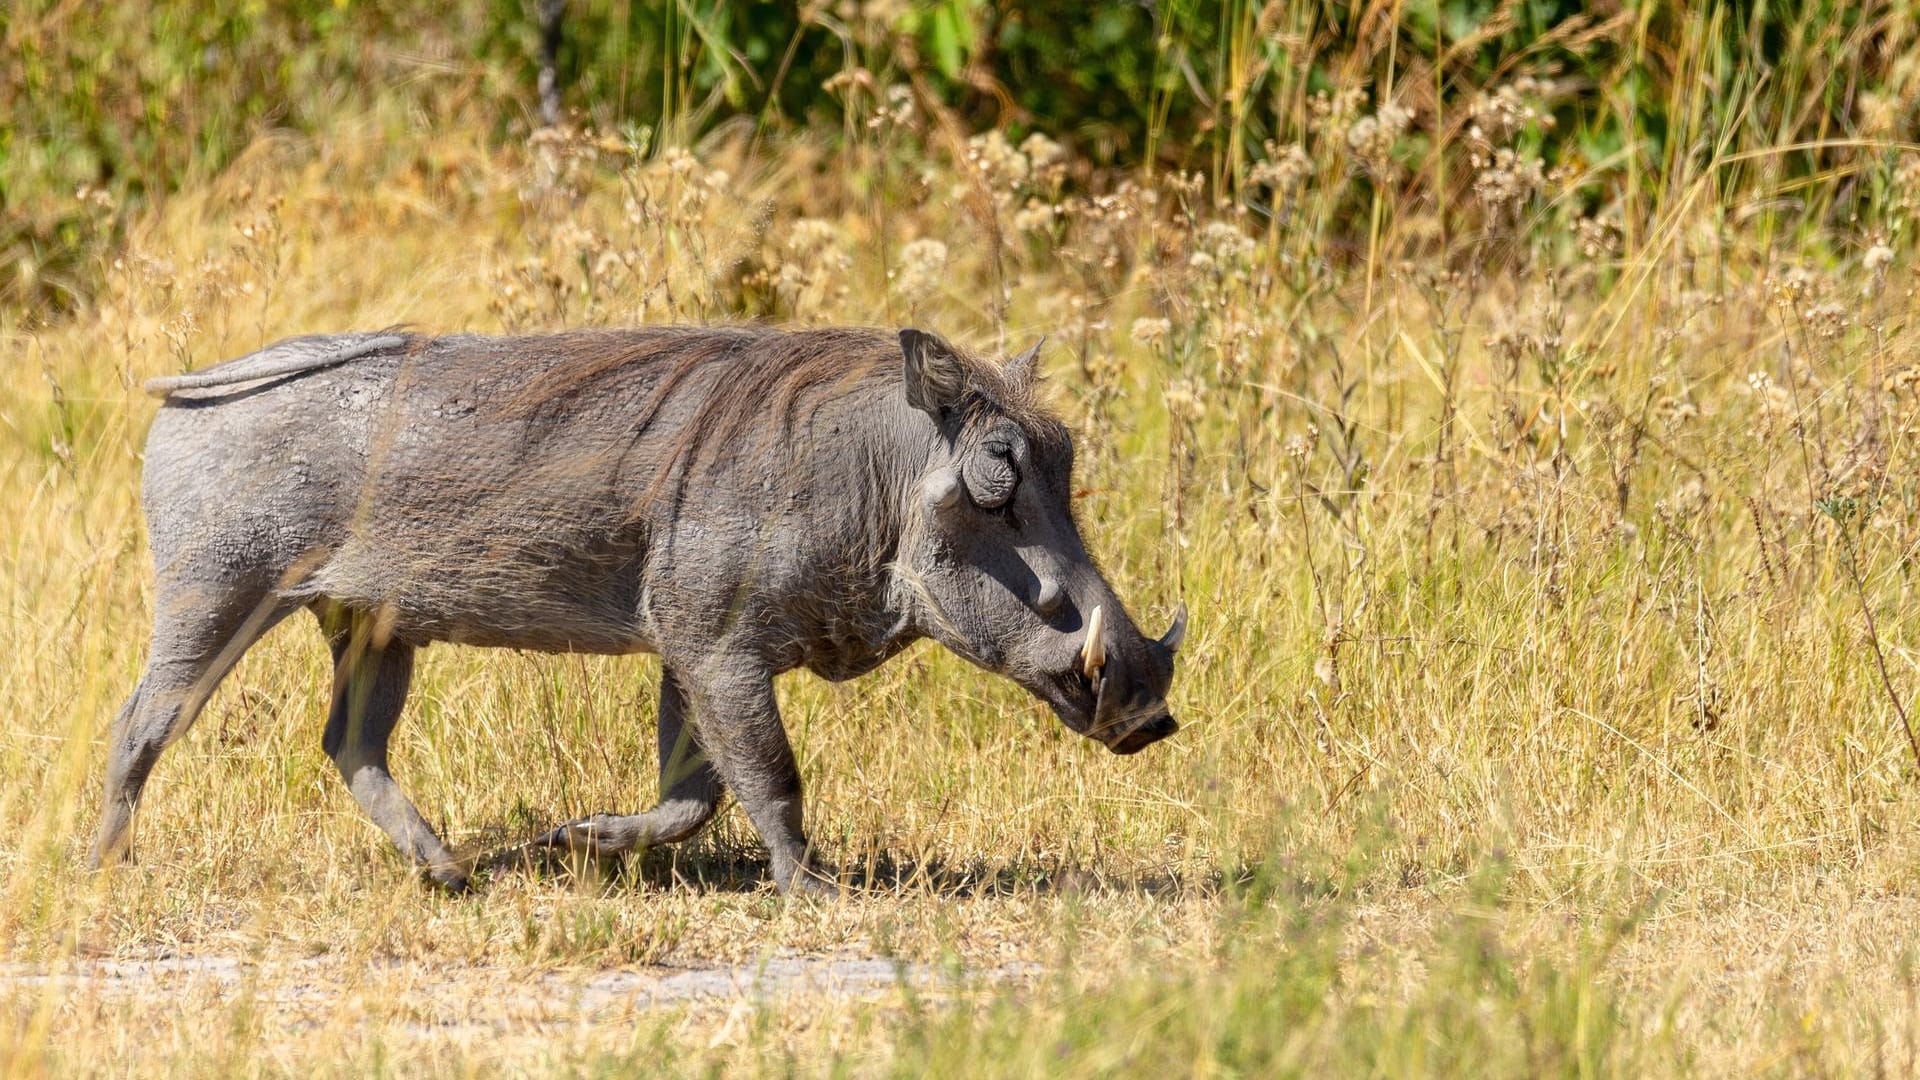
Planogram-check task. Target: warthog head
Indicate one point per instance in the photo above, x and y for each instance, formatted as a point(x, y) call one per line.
point(997, 568)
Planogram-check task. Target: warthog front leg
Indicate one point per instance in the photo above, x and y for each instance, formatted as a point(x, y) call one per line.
point(370, 682)
point(689, 792)
point(738, 722)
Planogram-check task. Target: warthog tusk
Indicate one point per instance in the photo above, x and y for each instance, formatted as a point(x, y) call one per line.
point(1093, 651)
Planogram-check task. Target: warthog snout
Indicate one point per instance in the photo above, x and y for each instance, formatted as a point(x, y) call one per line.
point(1145, 734)
point(1120, 681)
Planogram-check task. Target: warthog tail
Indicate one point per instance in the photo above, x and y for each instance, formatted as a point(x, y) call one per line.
point(291, 357)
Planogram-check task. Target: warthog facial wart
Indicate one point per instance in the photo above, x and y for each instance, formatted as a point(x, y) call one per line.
point(739, 501)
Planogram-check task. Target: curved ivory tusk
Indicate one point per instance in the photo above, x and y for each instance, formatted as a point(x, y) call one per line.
point(1093, 651)
point(1176, 633)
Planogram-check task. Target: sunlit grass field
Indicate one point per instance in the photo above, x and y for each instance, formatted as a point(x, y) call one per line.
point(1546, 704)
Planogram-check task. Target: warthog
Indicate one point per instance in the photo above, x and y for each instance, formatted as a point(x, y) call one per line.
point(740, 501)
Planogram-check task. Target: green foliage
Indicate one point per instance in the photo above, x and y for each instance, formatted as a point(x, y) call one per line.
point(135, 100)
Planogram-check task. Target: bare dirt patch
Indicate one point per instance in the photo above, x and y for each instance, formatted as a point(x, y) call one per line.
point(304, 992)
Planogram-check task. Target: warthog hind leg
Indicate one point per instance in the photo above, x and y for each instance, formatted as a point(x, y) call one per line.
point(194, 646)
point(689, 793)
point(370, 680)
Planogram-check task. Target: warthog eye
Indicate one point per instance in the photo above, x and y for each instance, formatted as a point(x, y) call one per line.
point(990, 476)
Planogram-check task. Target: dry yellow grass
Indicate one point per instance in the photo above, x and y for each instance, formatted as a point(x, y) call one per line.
point(1531, 720)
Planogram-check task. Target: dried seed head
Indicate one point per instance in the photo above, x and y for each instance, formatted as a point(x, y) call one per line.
point(923, 266)
point(1828, 321)
point(1374, 138)
point(1185, 400)
point(1150, 333)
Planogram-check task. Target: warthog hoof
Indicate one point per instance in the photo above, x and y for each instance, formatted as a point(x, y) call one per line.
point(809, 882)
point(452, 880)
point(601, 834)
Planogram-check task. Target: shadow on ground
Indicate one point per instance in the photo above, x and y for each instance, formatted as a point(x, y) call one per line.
point(712, 865)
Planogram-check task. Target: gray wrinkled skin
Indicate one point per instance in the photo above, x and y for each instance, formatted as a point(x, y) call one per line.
point(739, 501)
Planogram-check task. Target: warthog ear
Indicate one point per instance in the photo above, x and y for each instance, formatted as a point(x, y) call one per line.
point(1021, 369)
point(1176, 633)
point(936, 376)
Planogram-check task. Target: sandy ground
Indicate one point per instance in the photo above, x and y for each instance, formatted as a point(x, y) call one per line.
point(443, 1000)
